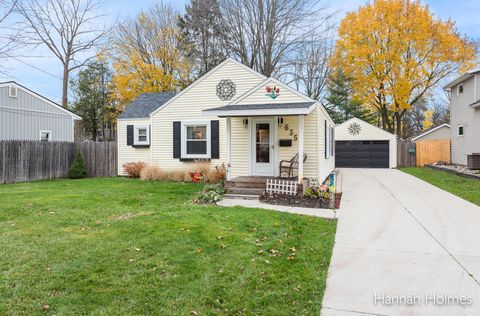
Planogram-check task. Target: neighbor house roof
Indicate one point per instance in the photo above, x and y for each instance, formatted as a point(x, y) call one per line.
point(475, 104)
point(461, 79)
point(430, 130)
point(38, 95)
point(146, 103)
point(262, 109)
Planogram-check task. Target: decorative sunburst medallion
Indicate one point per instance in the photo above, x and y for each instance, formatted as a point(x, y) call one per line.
point(226, 89)
point(354, 128)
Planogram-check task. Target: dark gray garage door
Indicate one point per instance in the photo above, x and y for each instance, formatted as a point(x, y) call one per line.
point(362, 154)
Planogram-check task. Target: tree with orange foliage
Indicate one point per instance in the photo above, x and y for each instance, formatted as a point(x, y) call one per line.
point(147, 55)
point(396, 51)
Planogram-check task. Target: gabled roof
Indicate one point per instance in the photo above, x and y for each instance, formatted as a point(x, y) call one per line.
point(461, 79)
point(362, 121)
point(430, 130)
point(262, 109)
point(144, 104)
point(278, 83)
point(38, 95)
point(193, 84)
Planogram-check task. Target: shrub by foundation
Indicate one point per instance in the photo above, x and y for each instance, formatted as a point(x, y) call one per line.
point(133, 169)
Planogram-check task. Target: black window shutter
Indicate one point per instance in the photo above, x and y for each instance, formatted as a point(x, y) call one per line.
point(129, 135)
point(325, 136)
point(215, 139)
point(177, 143)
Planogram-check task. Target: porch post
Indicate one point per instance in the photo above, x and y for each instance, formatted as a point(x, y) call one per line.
point(300, 148)
point(229, 145)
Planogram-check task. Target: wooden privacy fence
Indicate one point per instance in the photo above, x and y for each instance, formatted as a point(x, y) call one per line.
point(22, 161)
point(430, 151)
point(406, 156)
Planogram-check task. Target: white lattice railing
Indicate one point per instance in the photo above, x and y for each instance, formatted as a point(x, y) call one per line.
point(281, 186)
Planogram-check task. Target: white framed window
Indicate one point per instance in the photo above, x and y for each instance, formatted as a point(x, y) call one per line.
point(12, 91)
point(460, 130)
point(45, 136)
point(141, 135)
point(460, 89)
point(196, 140)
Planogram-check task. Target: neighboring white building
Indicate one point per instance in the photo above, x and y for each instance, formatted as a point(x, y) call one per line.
point(434, 133)
point(27, 115)
point(232, 115)
point(465, 115)
point(359, 144)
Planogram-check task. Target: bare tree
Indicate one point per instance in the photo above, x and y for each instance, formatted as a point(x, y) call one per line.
point(265, 34)
point(311, 69)
point(66, 27)
point(203, 34)
point(7, 31)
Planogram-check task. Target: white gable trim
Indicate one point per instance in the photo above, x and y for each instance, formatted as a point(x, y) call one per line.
point(284, 85)
point(362, 121)
point(430, 131)
point(39, 96)
point(204, 77)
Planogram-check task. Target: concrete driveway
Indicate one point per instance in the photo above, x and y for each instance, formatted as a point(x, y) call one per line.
point(401, 240)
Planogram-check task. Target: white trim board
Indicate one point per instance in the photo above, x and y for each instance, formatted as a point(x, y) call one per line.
point(259, 112)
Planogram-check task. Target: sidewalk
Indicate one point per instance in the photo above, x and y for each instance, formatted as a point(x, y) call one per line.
point(325, 213)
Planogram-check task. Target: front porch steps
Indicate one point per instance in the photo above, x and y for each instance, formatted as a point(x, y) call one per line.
point(246, 187)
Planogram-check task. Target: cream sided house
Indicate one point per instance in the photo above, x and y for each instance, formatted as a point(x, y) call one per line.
point(231, 115)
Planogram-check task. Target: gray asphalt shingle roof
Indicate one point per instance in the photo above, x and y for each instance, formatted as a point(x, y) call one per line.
point(266, 106)
point(146, 103)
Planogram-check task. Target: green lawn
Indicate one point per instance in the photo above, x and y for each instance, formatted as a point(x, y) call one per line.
point(468, 189)
point(121, 246)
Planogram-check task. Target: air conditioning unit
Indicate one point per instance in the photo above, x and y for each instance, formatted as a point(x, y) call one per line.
point(12, 92)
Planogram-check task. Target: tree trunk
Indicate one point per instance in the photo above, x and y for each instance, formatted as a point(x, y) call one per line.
point(398, 118)
point(65, 86)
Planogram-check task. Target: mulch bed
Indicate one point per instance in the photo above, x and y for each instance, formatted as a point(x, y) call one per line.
point(297, 200)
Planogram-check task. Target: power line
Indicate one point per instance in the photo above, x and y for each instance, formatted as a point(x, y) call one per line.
point(8, 75)
point(35, 67)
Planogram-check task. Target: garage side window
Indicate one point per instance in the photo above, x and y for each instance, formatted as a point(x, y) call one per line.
point(45, 136)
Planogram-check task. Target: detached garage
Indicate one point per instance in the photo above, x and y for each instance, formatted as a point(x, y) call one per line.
point(359, 144)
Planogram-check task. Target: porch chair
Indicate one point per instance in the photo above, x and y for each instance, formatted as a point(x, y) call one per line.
point(288, 166)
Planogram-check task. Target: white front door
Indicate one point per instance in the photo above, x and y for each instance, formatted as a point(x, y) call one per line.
point(262, 159)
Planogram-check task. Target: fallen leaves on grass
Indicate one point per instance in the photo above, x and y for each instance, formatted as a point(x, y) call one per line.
point(274, 253)
point(129, 215)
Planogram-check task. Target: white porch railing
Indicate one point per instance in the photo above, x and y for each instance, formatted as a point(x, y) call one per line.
point(279, 186)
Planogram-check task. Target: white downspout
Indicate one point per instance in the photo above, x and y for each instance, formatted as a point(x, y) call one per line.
point(300, 148)
point(229, 149)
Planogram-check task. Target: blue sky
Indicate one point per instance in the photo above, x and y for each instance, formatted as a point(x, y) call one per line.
point(465, 16)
